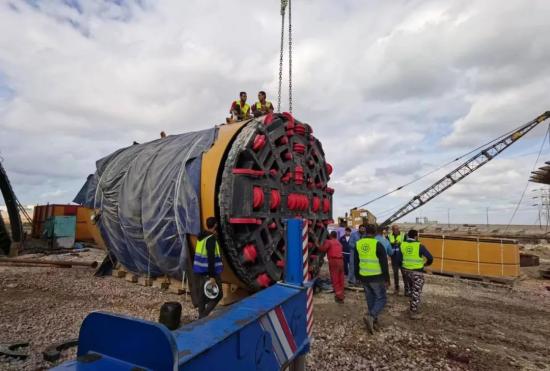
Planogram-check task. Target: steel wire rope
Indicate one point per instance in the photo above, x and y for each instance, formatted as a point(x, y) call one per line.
point(439, 168)
point(527, 183)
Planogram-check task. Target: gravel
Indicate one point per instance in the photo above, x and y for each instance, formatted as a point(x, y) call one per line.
point(466, 326)
point(47, 305)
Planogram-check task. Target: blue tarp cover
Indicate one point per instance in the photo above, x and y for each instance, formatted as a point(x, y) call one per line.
point(149, 198)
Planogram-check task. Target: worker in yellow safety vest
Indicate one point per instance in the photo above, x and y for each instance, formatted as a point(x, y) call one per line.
point(395, 237)
point(240, 110)
point(207, 264)
point(411, 257)
point(371, 269)
point(262, 106)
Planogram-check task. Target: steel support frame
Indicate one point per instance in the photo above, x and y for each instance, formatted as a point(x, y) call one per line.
point(266, 331)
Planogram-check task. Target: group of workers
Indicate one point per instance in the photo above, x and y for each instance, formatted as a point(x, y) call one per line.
point(362, 256)
point(240, 110)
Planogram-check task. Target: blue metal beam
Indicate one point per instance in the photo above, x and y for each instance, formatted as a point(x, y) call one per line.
point(265, 331)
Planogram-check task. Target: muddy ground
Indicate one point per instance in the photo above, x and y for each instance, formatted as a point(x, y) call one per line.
point(467, 325)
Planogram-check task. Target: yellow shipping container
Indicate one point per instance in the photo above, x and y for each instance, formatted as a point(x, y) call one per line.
point(473, 255)
point(83, 232)
point(58, 210)
point(473, 268)
point(470, 249)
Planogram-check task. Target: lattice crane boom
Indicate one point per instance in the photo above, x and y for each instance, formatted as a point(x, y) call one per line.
point(472, 164)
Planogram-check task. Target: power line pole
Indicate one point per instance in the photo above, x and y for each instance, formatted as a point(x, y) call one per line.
point(487, 213)
point(546, 204)
point(449, 218)
point(540, 216)
point(542, 201)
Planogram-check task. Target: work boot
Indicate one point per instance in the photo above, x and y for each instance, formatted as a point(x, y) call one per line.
point(415, 315)
point(369, 322)
point(377, 326)
point(338, 300)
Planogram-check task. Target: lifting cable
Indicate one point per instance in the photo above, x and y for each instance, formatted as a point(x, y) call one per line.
point(437, 169)
point(527, 184)
point(284, 4)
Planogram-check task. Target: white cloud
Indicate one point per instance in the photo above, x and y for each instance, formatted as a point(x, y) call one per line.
point(392, 89)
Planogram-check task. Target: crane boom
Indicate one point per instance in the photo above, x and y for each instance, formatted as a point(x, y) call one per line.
point(465, 169)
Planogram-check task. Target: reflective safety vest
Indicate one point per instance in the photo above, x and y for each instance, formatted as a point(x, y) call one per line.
point(411, 255)
point(268, 105)
point(369, 265)
point(244, 110)
point(200, 264)
point(396, 240)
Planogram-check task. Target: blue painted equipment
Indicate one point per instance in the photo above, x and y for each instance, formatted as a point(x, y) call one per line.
point(266, 331)
point(61, 230)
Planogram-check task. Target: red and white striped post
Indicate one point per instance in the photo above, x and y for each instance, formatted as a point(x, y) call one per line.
point(305, 257)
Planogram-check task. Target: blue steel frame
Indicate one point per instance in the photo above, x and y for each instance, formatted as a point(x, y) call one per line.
point(245, 336)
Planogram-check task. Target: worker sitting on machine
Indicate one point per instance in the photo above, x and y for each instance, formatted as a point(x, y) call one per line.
point(240, 110)
point(262, 106)
point(208, 265)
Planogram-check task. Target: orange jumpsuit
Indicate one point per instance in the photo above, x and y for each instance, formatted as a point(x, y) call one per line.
point(333, 248)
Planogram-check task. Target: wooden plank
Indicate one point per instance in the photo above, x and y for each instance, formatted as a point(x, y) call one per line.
point(353, 288)
point(162, 283)
point(119, 273)
point(145, 281)
point(176, 287)
point(130, 277)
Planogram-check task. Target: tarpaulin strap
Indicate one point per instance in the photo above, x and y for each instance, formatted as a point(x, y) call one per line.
point(478, 262)
point(442, 253)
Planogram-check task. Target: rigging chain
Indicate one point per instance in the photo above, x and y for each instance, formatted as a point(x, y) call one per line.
point(284, 4)
point(290, 56)
point(283, 7)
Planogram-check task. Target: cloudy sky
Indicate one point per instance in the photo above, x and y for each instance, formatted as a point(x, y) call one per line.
point(393, 89)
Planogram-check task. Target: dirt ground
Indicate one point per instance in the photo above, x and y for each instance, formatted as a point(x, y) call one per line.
point(467, 325)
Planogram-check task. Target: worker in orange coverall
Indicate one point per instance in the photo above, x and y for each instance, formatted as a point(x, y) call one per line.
point(333, 248)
